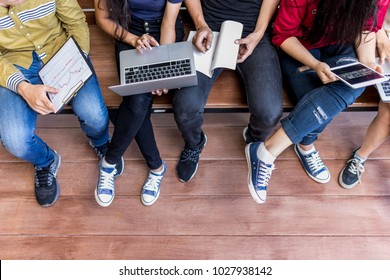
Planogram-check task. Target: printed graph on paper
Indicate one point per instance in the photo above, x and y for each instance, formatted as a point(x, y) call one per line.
point(66, 71)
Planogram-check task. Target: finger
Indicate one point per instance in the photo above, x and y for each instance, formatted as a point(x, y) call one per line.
point(165, 91)
point(153, 41)
point(139, 48)
point(382, 57)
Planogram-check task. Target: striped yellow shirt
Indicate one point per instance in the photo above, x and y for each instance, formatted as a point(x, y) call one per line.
point(37, 25)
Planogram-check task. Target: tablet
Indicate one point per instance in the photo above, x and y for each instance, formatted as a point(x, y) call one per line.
point(358, 75)
point(384, 87)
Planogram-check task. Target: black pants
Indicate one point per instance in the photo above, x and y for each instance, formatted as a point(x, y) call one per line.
point(133, 117)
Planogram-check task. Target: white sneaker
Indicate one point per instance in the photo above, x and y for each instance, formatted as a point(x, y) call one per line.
point(105, 189)
point(151, 188)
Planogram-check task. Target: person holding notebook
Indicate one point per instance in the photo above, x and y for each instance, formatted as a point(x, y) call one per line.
point(258, 67)
point(309, 46)
point(30, 33)
point(377, 133)
point(136, 24)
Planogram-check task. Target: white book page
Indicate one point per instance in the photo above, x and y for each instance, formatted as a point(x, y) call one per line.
point(203, 60)
point(66, 71)
point(226, 50)
point(223, 51)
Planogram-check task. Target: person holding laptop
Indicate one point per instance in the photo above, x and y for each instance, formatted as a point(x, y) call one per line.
point(378, 130)
point(30, 34)
point(258, 67)
point(309, 46)
point(136, 24)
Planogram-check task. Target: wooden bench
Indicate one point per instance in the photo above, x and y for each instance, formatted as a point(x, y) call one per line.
point(227, 93)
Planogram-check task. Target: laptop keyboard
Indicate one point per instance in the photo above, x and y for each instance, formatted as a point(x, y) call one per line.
point(157, 71)
point(386, 86)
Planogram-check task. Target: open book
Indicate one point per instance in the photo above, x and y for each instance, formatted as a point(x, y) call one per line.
point(223, 51)
point(66, 71)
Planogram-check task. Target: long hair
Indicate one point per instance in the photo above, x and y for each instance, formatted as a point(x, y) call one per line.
point(342, 21)
point(118, 11)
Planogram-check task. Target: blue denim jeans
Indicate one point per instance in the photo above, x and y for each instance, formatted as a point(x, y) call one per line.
point(261, 76)
point(18, 120)
point(317, 103)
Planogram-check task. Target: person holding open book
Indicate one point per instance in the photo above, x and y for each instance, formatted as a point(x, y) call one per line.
point(136, 24)
point(30, 34)
point(378, 131)
point(258, 66)
point(310, 45)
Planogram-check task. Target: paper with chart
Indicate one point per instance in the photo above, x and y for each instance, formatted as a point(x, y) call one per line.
point(223, 51)
point(66, 71)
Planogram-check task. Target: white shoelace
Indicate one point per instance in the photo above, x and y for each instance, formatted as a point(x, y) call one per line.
point(356, 167)
point(264, 174)
point(314, 161)
point(106, 182)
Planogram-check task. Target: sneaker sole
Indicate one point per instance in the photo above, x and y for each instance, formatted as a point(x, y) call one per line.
point(253, 193)
point(101, 203)
point(311, 176)
point(348, 187)
point(123, 168)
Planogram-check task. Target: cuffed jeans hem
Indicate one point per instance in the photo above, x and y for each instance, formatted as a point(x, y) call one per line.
point(291, 132)
point(155, 165)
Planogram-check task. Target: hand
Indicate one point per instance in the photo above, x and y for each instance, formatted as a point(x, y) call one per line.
point(36, 97)
point(145, 42)
point(160, 92)
point(247, 45)
point(323, 71)
point(383, 46)
point(203, 39)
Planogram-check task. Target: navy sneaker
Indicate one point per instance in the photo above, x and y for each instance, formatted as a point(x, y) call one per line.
point(101, 152)
point(151, 188)
point(105, 188)
point(351, 174)
point(246, 135)
point(47, 190)
point(188, 161)
point(259, 173)
point(314, 166)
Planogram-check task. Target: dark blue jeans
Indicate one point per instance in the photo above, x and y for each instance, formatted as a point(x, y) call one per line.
point(316, 103)
point(133, 118)
point(261, 77)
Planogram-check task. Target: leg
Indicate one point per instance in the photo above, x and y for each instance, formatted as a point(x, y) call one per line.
point(88, 105)
point(188, 106)
point(263, 85)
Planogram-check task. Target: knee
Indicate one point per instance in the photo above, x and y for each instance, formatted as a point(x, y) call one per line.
point(94, 117)
point(269, 117)
point(17, 142)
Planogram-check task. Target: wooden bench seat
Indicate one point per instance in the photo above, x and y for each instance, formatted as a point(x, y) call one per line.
point(226, 95)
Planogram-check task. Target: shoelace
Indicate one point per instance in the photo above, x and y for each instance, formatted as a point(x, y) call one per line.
point(106, 185)
point(101, 150)
point(191, 154)
point(152, 184)
point(356, 167)
point(314, 161)
point(264, 174)
point(44, 177)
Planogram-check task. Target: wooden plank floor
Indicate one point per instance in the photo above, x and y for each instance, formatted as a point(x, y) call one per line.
point(212, 216)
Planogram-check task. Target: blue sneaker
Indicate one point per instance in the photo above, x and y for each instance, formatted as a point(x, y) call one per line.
point(351, 174)
point(259, 173)
point(151, 189)
point(314, 166)
point(105, 189)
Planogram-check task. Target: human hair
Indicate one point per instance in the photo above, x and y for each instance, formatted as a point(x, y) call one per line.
point(342, 21)
point(119, 14)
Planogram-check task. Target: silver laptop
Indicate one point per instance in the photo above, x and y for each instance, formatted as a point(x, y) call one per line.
point(163, 67)
point(384, 87)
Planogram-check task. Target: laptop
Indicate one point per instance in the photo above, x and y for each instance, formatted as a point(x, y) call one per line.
point(384, 87)
point(163, 67)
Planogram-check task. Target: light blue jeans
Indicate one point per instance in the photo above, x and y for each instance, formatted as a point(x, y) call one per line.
point(18, 120)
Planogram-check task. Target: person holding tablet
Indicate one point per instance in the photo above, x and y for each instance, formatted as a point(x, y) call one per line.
point(136, 24)
point(312, 38)
point(30, 34)
point(378, 130)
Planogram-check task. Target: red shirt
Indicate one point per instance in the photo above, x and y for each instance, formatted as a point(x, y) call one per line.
point(295, 19)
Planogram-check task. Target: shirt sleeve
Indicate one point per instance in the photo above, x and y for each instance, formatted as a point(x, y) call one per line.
point(288, 21)
point(10, 76)
point(74, 22)
point(383, 5)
